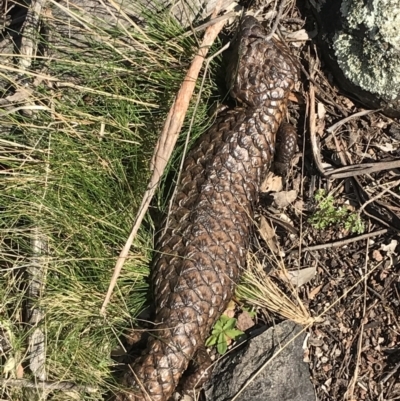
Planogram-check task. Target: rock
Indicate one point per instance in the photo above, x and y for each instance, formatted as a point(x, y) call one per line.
point(285, 378)
point(360, 40)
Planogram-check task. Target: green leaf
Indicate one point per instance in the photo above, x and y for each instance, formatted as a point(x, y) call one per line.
point(218, 327)
point(252, 313)
point(212, 340)
point(229, 324)
point(233, 333)
point(222, 345)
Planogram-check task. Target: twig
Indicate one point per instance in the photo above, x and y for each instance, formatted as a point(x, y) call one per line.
point(277, 20)
point(30, 34)
point(335, 126)
point(350, 391)
point(37, 271)
point(359, 169)
point(346, 171)
point(36, 274)
point(376, 197)
point(190, 129)
point(282, 223)
point(320, 90)
point(63, 386)
point(27, 50)
point(376, 211)
point(387, 218)
point(343, 242)
point(313, 136)
point(391, 373)
point(166, 143)
point(26, 107)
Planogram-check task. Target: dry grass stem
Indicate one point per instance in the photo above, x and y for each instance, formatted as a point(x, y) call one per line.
point(261, 291)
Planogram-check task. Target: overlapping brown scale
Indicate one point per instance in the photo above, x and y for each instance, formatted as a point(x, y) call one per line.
point(203, 251)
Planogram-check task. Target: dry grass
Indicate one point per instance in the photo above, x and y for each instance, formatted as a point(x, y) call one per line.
point(281, 297)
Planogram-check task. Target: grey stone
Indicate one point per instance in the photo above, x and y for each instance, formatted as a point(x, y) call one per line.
point(371, 60)
point(361, 41)
point(285, 378)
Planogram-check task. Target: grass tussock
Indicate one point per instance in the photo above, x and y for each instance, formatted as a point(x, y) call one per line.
point(260, 290)
point(74, 163)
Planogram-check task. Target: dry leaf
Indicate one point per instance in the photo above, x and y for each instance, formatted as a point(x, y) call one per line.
point(376, 255)
point(266, 231)
point(230, 313)
point(268, 235)
point(347, 102)
point(299, 205)
point(379, 123)
point(320, 127)
point(231, 305)
point(9, 366)
point(133, 336)
point(272, 183)
point(244, 321)
point(299, 35)
point(387, 147)
point(321, 111)
point(19, 371)
point(230, 309)
point(314, 292)
point(298, 277)
point(354, 137)
point(284, 198)
point(390, 248)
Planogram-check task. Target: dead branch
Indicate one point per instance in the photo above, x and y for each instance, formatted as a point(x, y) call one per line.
point(36, 273)
point(343, 242)
point(30, 34)
point(63, 386)
point(359, 169)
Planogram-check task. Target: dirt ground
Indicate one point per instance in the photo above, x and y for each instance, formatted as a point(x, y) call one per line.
point(353, 348)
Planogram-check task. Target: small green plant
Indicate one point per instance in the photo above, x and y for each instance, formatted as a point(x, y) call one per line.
point(223, 333)
point(250, 310)
point(328, 214)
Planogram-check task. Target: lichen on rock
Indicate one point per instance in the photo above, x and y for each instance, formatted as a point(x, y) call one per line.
point(368, 46)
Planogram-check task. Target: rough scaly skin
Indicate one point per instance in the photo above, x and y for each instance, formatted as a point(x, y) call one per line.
point(203, 250)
